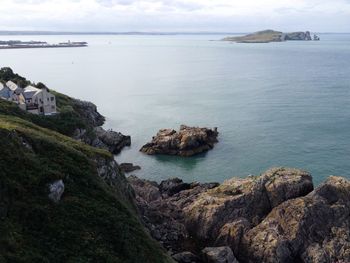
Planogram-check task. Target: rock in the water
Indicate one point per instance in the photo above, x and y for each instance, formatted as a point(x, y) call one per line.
point(187, 141)
point(109, 140)
point(186, 257)
point(313, 228)
point(218, 255)
point(129, 167)
point(56, 190)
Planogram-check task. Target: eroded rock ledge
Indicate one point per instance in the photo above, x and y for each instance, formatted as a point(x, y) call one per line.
point(274, 217)
point(187, 141)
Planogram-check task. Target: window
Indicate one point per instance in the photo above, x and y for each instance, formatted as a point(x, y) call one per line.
point(52, 98)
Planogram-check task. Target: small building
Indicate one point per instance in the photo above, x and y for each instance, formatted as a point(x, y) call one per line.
point(39, 101)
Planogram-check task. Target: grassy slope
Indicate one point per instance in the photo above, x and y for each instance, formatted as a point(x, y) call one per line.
point(90, 224)
point(258, 37)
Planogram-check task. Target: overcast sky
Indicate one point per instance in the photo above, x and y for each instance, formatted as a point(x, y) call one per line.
point(175, 15)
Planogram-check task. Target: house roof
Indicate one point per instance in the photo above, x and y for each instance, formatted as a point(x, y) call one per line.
point(12, 86)
point(5, 92)
point(30, 91)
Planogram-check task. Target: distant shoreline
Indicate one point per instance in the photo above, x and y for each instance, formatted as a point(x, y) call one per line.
point(47, 46)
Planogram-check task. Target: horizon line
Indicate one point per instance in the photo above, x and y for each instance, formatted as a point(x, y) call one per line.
point(53, 32)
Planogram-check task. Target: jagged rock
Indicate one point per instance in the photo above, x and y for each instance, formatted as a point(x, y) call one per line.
point(56, 190)
point(110, 172)
point(109, 140)
point(313, 228)
point(251, 198)
point(88, 111)
point(145, 189)
point(187, 141)
point(218, 255)
point(186, 257)
point(173, 186)
point(297, 36)
point(129, 167)
point(232, 233)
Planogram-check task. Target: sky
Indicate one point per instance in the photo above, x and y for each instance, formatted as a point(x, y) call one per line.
point(175, 15)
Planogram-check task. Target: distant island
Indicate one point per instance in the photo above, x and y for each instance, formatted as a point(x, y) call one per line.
point(15, 44)
point(268, 36)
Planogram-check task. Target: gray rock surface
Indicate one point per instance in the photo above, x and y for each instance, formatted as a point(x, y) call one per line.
point(187, 141)
point(186, 257)
point(109, 140)
point(218, 255)
point(56, 190)
point(313, 228)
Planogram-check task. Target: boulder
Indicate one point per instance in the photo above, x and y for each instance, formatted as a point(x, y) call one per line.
point(186, 257)
point(251, 198)
point(56, 190)
point(173, 186)
point(187, 141)
point(129, 167)
point(313, 228)
point(218, 255)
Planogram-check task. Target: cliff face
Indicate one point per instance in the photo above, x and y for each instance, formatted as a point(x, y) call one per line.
point(274, 217)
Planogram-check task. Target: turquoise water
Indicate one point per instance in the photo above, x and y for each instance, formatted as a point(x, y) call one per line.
point(277, 104)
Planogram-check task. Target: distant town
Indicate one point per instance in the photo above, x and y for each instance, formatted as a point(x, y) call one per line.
point(15, 44)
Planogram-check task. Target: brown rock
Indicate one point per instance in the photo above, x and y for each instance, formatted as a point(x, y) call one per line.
point(314, 228)
point(187, 141)
point(251, 198)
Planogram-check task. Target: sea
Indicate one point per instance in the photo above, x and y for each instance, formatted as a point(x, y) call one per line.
point(275, 104)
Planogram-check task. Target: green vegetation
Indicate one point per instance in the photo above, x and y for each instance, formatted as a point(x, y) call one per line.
point(93, 222)
point(90, 224)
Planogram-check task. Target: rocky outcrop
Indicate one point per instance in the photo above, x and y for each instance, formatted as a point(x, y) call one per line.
point(109, 140)
point(56, 190)
point(313, 228)
point(129, 167)
point(110, 172)
point(88, 111)
point(249, 199)
point(187, 141)
point(274, 217)
point(297, 36)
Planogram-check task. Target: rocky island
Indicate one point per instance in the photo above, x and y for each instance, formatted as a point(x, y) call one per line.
point(268, 36)
point(187, 141)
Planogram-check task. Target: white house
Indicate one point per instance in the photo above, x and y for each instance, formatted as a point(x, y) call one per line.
point(39, 101)
point(31, 99)
point(12, 92)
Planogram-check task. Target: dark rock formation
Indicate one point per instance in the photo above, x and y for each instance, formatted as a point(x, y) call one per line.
point(129, 167)
point(109, 140)
point(297, 36)
point(186, 257)
point(187, 141)
point(88, 111)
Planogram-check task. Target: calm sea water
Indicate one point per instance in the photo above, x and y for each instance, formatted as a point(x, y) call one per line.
point(277, 104)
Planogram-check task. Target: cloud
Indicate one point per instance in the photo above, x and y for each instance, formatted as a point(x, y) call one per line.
point(175, 15)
